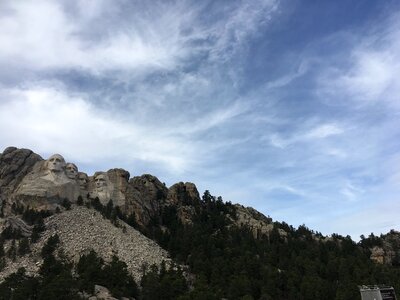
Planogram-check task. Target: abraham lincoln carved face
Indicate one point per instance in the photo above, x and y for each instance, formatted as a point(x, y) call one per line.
point(100, 182)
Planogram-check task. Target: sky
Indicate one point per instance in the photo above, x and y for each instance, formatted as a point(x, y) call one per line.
point(291, 107)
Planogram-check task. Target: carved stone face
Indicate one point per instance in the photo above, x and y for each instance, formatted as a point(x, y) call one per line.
point(101, 182)
point(83, 180)
point(56, 163)
point(71, 170)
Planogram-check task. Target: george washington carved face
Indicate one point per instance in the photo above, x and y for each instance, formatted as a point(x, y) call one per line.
point(71, 170)
point(56, 163)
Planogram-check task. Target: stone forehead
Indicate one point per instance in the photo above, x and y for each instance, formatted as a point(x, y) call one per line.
point(83, 175)
point(73, 165)
point(59, 156)
point(98, 174)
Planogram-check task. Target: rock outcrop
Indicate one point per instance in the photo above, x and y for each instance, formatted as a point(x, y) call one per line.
point(389, 251)
point(259, 224)
point(183, 194)
point(145, 196)
point(15, 164)
point(185, 197)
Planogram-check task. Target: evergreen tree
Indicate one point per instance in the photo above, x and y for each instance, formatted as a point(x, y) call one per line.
point(23, 247)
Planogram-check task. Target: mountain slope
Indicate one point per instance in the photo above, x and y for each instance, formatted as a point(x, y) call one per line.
point(230, 251)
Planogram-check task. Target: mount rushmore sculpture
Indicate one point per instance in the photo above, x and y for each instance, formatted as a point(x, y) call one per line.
point(26, 179)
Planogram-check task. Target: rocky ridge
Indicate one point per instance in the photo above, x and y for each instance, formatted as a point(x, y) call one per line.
point(29, 181)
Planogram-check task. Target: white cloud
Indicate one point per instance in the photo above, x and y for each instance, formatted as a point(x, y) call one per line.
point(44, 35)
point(44, 118)
point(380, 217)
point(351, 192)
point(317, 132)
point(369, 73)
point(323, 131)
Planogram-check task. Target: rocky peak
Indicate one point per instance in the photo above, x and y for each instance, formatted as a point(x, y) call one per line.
point(15, 164)
point(259, 224)
point(183, 194)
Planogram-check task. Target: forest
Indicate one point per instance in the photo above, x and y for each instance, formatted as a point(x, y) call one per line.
point(222, 261)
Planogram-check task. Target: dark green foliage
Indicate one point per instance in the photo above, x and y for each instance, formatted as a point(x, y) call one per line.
point(226, 261)
point(23, 247)
point(12, 251)
point(89, 269)
point(96, 204)
point(56, 279)
point(79, 201)
point(118, 280)
point(114, 276)
point(163, 284)
point(131, 220)
point(33, 217)
point(109, 211)
point(50, 246)
point(37, 229)
point(66, 204)
point(2, 253)
point(2, 263)
point(18, 286)
point(3, 204)
point(10, 233)
point(17, 209)
point(230, 263)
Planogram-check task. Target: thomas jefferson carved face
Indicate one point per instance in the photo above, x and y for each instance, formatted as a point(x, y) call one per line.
point(71, 170)
point(101, 182)
point(56, 163)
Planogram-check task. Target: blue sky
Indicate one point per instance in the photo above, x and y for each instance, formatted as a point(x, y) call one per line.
point(291, 107)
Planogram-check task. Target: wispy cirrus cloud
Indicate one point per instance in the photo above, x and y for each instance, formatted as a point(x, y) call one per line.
point(369, 75)
point(101, 37)
point(317, 132)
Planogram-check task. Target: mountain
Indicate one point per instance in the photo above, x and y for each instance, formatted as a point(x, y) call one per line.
point(68, 235)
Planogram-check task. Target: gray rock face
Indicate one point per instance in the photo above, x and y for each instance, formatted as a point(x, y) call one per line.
point(112, 184)
point(119, 179)
point(46, 185)
point(28, 180)
point(389, 250)
point(183, 194)
point(145, 196)
point(258, 223)
point(15, 164)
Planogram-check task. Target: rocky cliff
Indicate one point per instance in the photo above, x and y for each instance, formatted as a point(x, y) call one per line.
point(27, 181)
